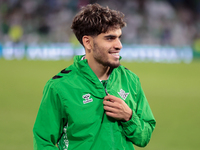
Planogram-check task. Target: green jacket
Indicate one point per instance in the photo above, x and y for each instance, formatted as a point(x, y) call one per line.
point(71, 114)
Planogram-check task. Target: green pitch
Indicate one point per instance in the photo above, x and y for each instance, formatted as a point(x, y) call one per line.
point(173, 91)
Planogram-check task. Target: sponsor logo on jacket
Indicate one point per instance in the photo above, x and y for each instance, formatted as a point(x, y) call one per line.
point(87, 99)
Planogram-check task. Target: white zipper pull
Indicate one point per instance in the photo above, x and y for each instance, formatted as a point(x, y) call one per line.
point(106, 92)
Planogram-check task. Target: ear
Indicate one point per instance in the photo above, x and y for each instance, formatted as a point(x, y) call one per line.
point(87, 42)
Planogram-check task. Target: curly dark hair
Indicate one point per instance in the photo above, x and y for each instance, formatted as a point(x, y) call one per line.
point(95, 19)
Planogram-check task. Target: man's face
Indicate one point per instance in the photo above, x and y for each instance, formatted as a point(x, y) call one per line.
point(106, 48)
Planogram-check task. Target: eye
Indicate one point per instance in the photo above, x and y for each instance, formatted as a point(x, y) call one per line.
point(110, 38)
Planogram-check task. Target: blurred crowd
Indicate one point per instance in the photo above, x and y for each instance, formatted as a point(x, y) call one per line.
point(151, 22)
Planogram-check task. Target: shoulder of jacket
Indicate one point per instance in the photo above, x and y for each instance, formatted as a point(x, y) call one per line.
point(127, 71)
point(65, 74)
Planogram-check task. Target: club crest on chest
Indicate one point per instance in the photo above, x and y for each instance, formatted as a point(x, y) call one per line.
point(123, 94)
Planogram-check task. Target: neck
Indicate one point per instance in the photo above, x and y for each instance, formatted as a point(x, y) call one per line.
point(102, 72)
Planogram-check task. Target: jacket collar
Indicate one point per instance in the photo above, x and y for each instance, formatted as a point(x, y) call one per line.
point(86, 71)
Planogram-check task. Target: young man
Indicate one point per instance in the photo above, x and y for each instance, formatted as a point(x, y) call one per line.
point(96, 103)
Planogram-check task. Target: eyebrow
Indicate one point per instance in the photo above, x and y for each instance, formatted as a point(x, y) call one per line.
point(112, 36)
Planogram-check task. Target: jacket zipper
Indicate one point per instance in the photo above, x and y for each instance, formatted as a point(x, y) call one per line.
point(111, 128)
point(111, 124)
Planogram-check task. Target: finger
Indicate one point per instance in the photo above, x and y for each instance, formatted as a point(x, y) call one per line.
point(108, 97)
point(112, 104)
point(113, 115)
point(112, 98)
point(109, 103)
point(111, 109)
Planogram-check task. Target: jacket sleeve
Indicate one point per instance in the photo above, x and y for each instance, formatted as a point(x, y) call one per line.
point(49, 122)
point(142, 123)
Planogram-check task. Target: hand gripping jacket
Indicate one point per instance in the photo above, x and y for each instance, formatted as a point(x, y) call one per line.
point(71, 114)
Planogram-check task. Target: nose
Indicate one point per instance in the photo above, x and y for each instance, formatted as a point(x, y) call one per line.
point(118, 44)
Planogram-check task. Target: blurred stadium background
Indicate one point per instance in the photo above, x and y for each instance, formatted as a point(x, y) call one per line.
point(161, 45)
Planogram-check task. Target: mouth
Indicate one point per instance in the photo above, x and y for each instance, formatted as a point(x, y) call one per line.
point(116, 55)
